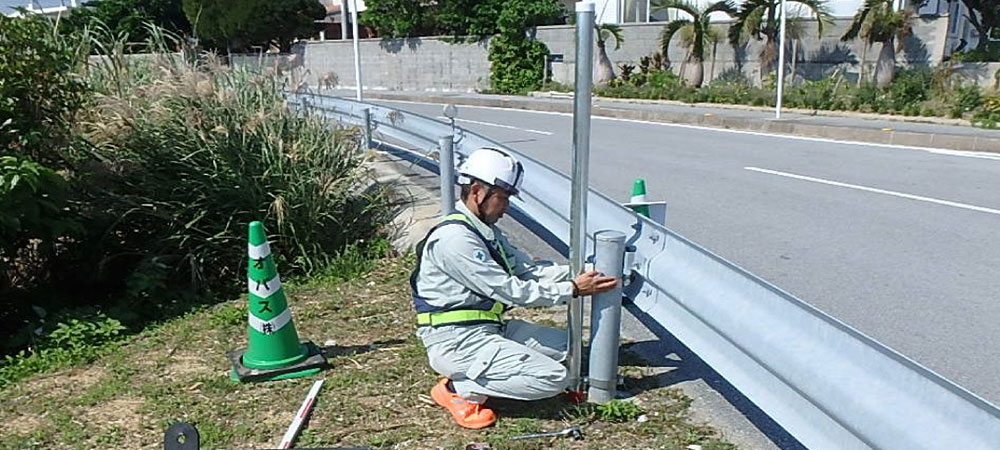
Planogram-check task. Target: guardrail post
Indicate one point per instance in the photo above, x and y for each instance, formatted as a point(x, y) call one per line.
point(578, 202)
point(606, 318)
point(367, 130)
point(446, 153)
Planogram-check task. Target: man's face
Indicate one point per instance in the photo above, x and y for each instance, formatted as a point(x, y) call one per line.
point(495, 204)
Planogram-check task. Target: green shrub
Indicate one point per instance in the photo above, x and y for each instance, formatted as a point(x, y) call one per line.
point(161, 172)
point(33, 200)
point(74, 341)
point(967, 98)
point(909, 88)
point(181, 159)
point(820, 94)
point(515, 64)
point(868, 97)
point(618, 411)
point(988, 116)
point(990, 54)
point(40, 86)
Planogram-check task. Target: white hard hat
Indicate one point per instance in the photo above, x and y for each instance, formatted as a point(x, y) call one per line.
point(493, 167)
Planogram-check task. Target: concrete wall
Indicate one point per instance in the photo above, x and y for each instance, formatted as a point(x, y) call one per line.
point(815, 57)
point(986, 75)
point(434, 64)
point(427, 64)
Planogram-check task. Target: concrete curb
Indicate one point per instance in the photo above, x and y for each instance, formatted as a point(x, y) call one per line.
point(891, 137)
point(769, 109)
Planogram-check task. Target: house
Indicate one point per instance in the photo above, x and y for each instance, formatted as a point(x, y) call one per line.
point(961, 33)
point(337, 23)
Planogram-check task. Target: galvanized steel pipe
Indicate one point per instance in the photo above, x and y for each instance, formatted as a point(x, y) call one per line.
point(446, 151)
point(606, 318)
point(581, 161)
point(367, 130)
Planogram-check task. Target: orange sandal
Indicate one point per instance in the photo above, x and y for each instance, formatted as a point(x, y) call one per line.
point(466, 414)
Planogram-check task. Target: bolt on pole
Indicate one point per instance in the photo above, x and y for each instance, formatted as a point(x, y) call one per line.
point(581, 161)
point(606, 318)
point(357, 50)
point(446, 153)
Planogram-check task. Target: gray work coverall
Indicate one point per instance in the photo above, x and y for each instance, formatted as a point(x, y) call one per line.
point(518, 359)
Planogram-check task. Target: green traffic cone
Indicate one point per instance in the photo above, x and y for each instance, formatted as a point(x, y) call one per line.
point(274, 351)
point(639, 196)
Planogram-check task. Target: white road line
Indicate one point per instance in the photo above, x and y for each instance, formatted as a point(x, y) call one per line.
point(490, 124)
point(877, 191)
point(934, 150)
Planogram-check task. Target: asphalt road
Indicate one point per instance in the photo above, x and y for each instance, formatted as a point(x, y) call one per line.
point(902, 244)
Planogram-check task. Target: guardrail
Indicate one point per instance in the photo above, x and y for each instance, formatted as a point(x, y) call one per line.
point(828, 385)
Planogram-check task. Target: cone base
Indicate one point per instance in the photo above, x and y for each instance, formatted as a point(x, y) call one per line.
point(312, 364)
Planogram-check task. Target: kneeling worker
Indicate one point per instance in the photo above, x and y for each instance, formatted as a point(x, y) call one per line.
point(467, 274)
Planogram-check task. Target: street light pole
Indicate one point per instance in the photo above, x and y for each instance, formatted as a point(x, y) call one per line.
point(357, 50)
point(781, 62)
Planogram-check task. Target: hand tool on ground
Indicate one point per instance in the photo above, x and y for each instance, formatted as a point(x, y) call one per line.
point(573, 431)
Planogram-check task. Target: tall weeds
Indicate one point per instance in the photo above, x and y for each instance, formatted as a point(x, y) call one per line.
point(169, 159)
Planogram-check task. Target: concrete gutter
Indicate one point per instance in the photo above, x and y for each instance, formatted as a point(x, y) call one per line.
point(962, 142)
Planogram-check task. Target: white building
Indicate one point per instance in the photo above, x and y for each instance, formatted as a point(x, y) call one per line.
point(636, 11)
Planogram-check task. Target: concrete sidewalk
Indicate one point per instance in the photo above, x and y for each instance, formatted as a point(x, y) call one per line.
point(924, 132)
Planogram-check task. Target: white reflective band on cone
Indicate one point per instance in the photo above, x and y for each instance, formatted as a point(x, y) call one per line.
point(273, 325)
point(264, 289)
point(638, 199)
point(259, 251)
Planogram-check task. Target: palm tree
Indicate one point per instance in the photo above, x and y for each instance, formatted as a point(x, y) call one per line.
point(698, 34)
point(606, 70)
point(760, 19)
point(879, 21)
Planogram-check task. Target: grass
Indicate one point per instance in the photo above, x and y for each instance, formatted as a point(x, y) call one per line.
point(375, 392)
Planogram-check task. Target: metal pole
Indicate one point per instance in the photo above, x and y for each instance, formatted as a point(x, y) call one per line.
point(367, 115)
point(606, 318)
point(581, 160)
point(343, 19)
point(446, 153)
point(781, 63)
point(647, 11)
point(357, 51)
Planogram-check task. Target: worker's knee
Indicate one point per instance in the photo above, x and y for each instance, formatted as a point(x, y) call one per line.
point(550, 383)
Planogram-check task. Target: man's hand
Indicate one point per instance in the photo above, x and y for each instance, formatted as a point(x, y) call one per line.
point(590, 283)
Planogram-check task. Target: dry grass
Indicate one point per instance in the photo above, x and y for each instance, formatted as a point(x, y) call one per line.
point(375, 392)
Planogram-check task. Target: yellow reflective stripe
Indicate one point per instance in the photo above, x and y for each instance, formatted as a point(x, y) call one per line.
point(461, 315)
point(506, 259)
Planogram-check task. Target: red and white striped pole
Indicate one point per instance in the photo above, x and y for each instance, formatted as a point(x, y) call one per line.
point(293, 429)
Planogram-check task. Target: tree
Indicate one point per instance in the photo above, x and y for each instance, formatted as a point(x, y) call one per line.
point(399, 18)
point(467, 18)
point(605, 70)
point(984, 15)
point(697, 31)
point(760, 19)
point(515, 58)
point(130, 18)
point(221, 24)
point(878, 21)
